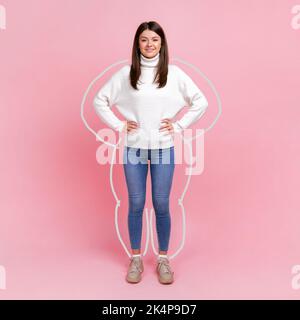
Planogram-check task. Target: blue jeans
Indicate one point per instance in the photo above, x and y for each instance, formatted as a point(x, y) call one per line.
point(135, 163)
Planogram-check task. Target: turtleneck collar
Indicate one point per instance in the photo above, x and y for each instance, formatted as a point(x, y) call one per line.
point(149, 62)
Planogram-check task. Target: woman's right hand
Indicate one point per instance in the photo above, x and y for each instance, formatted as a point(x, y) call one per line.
point(130, 125)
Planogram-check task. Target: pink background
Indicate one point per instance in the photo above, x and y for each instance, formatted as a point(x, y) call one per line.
point(57, 234)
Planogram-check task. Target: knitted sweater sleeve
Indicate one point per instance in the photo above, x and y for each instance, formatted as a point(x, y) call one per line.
point(195, 99)
point(105, 98)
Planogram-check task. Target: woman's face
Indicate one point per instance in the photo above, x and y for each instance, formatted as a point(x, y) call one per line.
point(149, 43)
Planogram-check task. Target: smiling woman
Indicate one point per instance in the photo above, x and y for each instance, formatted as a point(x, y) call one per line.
point(149, 93)
point(149, 43)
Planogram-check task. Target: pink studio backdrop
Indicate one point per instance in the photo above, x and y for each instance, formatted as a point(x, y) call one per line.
point(57, 234)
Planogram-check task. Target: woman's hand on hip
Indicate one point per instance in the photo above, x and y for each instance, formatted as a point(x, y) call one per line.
point(130, 126)
point(166, 125)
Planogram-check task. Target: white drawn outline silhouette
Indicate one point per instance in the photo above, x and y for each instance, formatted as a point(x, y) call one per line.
point(149, 226)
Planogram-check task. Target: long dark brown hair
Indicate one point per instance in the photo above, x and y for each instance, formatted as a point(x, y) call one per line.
point(162, 67)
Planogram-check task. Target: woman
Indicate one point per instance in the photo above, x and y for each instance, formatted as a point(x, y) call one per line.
point(149, 93)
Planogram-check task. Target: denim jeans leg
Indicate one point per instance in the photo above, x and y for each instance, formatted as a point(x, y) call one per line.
point(136, 177)
point(162, 166)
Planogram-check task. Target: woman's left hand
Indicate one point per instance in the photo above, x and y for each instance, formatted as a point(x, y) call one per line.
point(166, 125)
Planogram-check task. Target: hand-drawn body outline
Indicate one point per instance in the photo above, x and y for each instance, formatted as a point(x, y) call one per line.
point(149, 227)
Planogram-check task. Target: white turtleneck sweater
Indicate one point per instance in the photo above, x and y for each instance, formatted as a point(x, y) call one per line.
point(149, 105)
